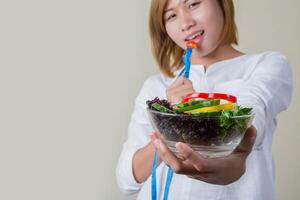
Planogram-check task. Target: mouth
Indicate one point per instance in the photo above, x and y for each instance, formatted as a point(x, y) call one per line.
point(194, 35)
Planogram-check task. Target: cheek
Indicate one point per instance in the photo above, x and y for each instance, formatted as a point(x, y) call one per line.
point(214, 23)
point(215, 30)
point(172, 31)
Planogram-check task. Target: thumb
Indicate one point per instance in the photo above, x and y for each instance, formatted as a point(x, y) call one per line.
point(247, 142)
point(186, 81)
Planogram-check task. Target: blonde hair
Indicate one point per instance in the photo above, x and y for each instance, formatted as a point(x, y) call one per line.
point(167, 53)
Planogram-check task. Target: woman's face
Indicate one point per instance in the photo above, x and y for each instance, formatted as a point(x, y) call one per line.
point(198, 20)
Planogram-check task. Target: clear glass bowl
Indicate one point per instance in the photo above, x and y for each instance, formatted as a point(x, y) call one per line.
point(203, 134)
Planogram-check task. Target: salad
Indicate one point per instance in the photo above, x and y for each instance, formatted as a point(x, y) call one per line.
point(201, 119)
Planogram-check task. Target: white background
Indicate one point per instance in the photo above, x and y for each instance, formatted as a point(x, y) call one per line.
point(69, 73)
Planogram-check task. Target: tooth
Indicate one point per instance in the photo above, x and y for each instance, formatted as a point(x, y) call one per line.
point(195, 35)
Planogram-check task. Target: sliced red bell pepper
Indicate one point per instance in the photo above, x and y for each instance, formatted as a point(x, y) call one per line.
point(227, 97)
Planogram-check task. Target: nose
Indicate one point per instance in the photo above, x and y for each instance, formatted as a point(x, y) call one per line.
point(187, 21)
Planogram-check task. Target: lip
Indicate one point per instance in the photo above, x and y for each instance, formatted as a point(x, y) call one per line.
point(190, 35)
point(198, 39)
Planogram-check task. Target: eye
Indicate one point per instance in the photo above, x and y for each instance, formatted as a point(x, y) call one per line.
point(194, 5)
point(172, 16)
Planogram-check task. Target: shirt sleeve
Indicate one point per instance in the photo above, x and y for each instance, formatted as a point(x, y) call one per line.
point(138, 136)
point(268, 90)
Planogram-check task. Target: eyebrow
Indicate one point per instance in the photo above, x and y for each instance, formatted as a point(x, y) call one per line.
point(170, 9)
point(167, 10)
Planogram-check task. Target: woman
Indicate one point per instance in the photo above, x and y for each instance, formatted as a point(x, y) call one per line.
point(261, 81)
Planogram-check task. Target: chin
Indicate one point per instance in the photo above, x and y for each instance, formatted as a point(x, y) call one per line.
point(205, 51)
point(201, 52)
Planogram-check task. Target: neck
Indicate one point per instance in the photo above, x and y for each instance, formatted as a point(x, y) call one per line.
point(221, 53)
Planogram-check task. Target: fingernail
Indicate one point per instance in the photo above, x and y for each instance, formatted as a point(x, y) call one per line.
point(152, 135)
point(179, 146)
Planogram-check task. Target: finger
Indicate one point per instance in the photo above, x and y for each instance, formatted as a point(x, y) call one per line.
point(191, 156)
point(247, 142)
point(187, 169)
point(179, 168)
point(179, 95)
point(167, 156)
point(181, 88)
point(187, 81)
point(175, 95)
point(206, 177)
point(208, 165)
point(153, 136)
point(180, 81)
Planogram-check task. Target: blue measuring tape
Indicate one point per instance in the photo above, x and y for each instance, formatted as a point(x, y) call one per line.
point(153, 180)
point(186, 71)
point(187, 63)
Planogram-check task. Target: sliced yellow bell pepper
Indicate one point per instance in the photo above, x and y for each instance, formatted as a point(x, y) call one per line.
point(227, 106)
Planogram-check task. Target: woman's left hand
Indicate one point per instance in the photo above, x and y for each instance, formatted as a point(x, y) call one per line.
point(221, 171)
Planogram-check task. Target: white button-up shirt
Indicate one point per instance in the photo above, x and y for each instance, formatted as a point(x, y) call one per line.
point(261, 81)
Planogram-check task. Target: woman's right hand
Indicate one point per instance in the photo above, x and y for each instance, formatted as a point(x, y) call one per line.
point(220, 171)
point(178, 89)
